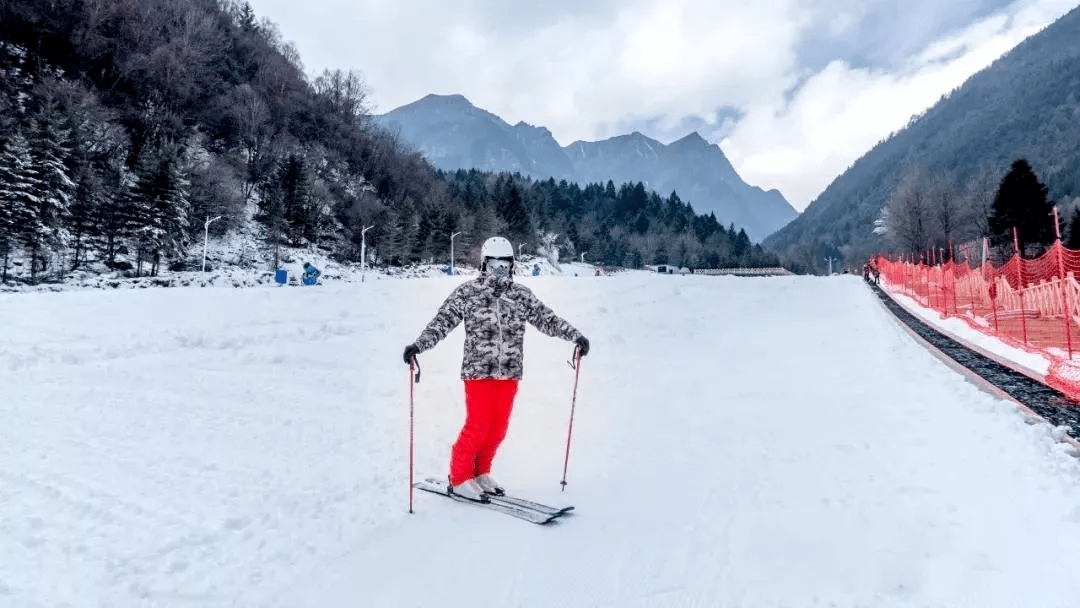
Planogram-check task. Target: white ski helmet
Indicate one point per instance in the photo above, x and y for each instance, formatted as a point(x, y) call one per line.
point(496, 247)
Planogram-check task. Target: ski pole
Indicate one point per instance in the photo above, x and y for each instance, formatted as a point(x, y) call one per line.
point(573, 404)
point(413, 379)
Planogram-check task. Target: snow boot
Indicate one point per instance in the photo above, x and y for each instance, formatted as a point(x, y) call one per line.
point(489, 485)
point(469, 490)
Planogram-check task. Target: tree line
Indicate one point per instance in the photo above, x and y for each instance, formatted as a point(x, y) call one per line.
point(626, 226)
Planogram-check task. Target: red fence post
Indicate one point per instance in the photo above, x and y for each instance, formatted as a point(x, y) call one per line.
point(971, 293)
point(991, 288)
point(1020, 281)
point(952, 273)
point(907, 279)
point(1061, 278)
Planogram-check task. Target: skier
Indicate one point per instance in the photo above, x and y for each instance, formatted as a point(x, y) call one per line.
point(311, 274)
point(494, 310)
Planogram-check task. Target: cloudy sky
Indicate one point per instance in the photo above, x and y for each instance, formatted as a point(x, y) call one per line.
point(793, 91)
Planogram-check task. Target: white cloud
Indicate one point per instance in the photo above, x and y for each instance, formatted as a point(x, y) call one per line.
point(587, 70)
point(579, 73)
point(800, 146)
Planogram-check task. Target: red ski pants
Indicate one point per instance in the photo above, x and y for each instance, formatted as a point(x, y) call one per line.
point(488, 402)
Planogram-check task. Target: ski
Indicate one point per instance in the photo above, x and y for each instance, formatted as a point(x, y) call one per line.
point(518, 511)
point(530, 504)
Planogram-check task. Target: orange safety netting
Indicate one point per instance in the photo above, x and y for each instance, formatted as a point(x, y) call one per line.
point(1030, 304)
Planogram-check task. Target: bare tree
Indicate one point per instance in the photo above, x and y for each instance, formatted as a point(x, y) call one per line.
point(978, 197)
point(345, 93)
point(946, 208)
point(255, 130)
point(907, 215)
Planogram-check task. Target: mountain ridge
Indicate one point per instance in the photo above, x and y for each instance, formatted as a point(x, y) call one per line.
point(452, 133)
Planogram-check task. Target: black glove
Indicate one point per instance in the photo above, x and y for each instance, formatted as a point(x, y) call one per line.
point(583, 344)
point(410, 352)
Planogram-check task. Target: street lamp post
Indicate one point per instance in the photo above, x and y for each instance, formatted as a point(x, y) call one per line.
point(206, 236)
point(452, 252)
point(583, 256)
point(519, 249)
point(830, 259)
point(363, 251)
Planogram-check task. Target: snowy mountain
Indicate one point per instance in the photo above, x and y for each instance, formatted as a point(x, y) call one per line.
point(250, 447)
point(454, 134)
point(691, 166)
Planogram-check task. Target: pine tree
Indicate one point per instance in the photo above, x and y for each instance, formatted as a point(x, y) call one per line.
point(247, 19)
point(160, 203)
point(114, 217)
point(403, 235)
point(511, 208)
point(88, 195)
point(301, 217)
point(641, 224)
point(1021, 202)
point(272, 215)
point(485, 224)
point(50, 149)
point(422, 244)
point(83, 211)
point(446, 223)
point(741, 243)
point(19, 185)
point(660, 256)
point(174, 208)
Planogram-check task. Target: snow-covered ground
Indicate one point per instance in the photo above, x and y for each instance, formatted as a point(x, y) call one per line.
point(750, 442)
point(236, 276)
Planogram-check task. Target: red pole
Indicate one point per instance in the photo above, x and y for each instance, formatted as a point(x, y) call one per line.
point(952, 267)
point(573, 404)
point(926, 276)
point(910, 275)
point(903, 272)
point(413, 365)
point(993, 303)
point(971, 292)
point(951, 291)
point(930, 276)
point(1061, 277)
point(941, 286)
point(1020, 281)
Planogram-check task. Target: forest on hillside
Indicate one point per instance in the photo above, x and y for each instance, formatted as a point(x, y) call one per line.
point(125, 124)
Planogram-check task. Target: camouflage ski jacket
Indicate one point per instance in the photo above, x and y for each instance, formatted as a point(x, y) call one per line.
point(495, 315)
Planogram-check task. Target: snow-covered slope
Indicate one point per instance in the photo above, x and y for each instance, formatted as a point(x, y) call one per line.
point(738, 442)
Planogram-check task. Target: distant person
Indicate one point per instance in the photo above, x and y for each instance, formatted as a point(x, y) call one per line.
point(494, 310)
point(311, 274)
point(870, 272)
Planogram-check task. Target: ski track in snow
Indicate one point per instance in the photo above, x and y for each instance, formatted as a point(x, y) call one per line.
point(737, 442)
